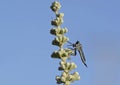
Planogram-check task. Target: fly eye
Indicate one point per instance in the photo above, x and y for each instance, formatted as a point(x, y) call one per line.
point(77, 42)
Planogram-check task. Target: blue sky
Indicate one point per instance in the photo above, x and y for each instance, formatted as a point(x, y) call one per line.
point(25, 41)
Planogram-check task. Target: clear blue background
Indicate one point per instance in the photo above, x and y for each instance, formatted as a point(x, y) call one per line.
point(25, 41)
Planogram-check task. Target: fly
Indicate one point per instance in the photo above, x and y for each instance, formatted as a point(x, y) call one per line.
point(78, 47)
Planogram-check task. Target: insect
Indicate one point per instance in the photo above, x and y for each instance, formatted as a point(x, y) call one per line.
point(78, 47)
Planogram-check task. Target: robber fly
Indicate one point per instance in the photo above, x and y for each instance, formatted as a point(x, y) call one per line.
point(78, 47)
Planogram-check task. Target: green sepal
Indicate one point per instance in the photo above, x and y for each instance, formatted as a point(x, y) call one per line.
point(57, 22)
point(60, 54)
point(58, 31)
point(67, 66)
point(55, 6)
point(60, 40)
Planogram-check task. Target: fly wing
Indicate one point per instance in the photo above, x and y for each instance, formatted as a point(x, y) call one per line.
point(82, 55)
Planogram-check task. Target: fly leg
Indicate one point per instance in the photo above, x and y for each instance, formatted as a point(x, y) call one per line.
point(74, 51)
